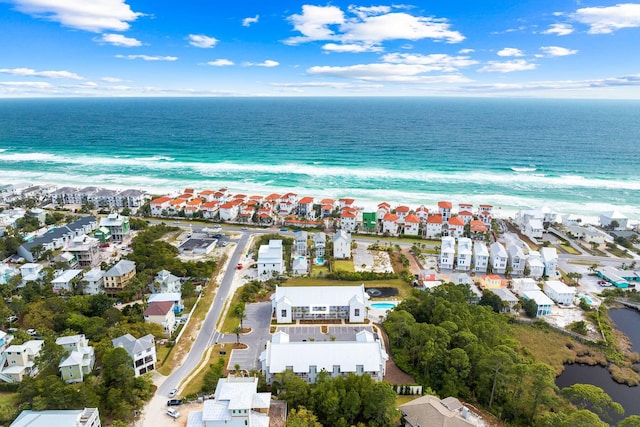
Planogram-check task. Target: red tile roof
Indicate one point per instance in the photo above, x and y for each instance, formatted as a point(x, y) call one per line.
point(478, 226)
point(403, 209)
point(346, 201)
point(272, 197)
point(189, 190)
point(456, 220)
point(160, 200)
point(306, 200)
point(465, 213)
point(207, 192)
point(384, 205)
point(390, 217)
point(347, 214)
point(444, 205)
point(159, 308)
point(177, 202)
point(485, 206)
point(210, 204)
point(422, 209)
point(197, 201)
point(327, 201)
point(412, 218)
point(434, 219)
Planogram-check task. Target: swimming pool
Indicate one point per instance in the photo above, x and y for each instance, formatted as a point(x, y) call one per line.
point(586, 299)
point(383, 305)
point(319, 261)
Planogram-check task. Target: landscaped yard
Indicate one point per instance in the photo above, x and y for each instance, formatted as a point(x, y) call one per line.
point(404, 288)
point(343, 265)
point(195, 379)
point(569, 249)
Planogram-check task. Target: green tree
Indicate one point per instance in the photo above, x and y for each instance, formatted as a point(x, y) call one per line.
point(530, 308)
point(302, 417)
point(239, 312)
point(492, 300)
point(593, 398)
point(237, 330)
point(630, 421)
point(293, 389)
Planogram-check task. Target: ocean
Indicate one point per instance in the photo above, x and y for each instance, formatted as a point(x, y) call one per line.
point(575, 156)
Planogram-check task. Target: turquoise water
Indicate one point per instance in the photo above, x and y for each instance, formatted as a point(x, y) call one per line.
point(383, 305)
point(573, 155)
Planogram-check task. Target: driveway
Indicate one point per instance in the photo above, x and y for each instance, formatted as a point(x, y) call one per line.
point(314, 333)
point(259, 320)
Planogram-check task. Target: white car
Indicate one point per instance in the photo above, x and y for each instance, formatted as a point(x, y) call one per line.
point(173, 392)
point(31, 332)
point(173, 413)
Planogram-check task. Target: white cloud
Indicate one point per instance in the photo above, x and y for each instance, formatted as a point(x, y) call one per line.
point(605, 20)
point(29, 72)
point(248, 21)
point(36, 85)
point(333, 85)
point(367, 26)
point(220, 63)
point(119, 40)
point(148, 57)
point(111, 79)
point(200, 40)
point(510, 51)
point(435, 62)
point(352, 48)
point(268, 64)
point(559, 29)
point(631, 80)
point(507, 66)
point(558, 51)
point(387, 72)
point(465, 51)
point(93, 15)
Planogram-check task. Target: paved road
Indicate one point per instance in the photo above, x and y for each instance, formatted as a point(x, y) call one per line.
point(155, 410)
point(259, 320)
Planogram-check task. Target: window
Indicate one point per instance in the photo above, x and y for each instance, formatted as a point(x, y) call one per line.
point(356, 312)
point(283, 313)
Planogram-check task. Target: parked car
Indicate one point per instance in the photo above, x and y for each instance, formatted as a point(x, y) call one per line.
point(173, 392)
point(245, 228)
point(174, 402)
point(239, 267)
point(12, 319)
point(31, 332)
point(173, 413)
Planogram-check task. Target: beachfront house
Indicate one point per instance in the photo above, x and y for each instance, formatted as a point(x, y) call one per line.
point(550, 261)
point(305, 208)
point(465, 252)
point(456, 226)
point(270, 261)
point(369, 222)
point(534, 229)
point(363, 356)
point(341, 245)
point(79, 358)
point(236, 402)
point(402, 212)
point(447, 253)
point(559, 292)
point(411, 225)
point(290, 304)
point(390, 224)
point(517, 260)
point(422, 212)
point(485, 214)
point(348, 219)
point(613, 220)
point(444, 208)
point(300, 239)
point(480, 257)
point(142, 352)
point(498, 258)
point(434, 226)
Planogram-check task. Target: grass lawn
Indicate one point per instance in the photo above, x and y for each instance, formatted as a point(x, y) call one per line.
point(230, 320)
point(404, 289)
point(402, 399)
point(195, 383)
point(9, 399)
point(344, 265)
point(570, 249)
point(317, 270)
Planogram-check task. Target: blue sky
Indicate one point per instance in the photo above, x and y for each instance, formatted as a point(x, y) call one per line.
point(567, 49)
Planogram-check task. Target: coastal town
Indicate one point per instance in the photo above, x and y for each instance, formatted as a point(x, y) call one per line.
point(221, 303)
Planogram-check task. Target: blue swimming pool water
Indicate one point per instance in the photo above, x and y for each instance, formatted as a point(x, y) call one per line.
point(383, 305)
point(587, 299)
point(319, 261)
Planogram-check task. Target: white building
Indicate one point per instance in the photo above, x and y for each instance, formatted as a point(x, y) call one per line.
point(142, 352)
point(64, 282)
point(290, 304)
point(447, 253)
point(92, 282)
point(480, 257)
point(543, 302)
point(270, 260)
point(559, 292)
point(87, 417)
point(550, 261)
point(535, 264)
point(117, 225)
point(606, 218)
point(319, 243)
point(161, 313)
point(174, 297)
point(517, 260)
point(364, 356)
point(300, 266)
point(31, 272)
point(165, 282)
point(300, 242)
point(524, 284)
point(534, 228)
point(498, 258)
point(236, 403)
point(341, 245)
point(465, 252)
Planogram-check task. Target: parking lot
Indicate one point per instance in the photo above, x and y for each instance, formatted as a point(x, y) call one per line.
point(314, 333)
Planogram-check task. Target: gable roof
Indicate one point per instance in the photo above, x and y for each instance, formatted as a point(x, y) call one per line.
point(159, 308)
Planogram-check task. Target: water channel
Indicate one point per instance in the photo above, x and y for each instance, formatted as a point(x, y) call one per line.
point(627, 321)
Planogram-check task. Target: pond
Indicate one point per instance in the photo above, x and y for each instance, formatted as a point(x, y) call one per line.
point(627, 322)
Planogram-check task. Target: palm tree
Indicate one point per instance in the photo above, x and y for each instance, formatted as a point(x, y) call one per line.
point(237, 330)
